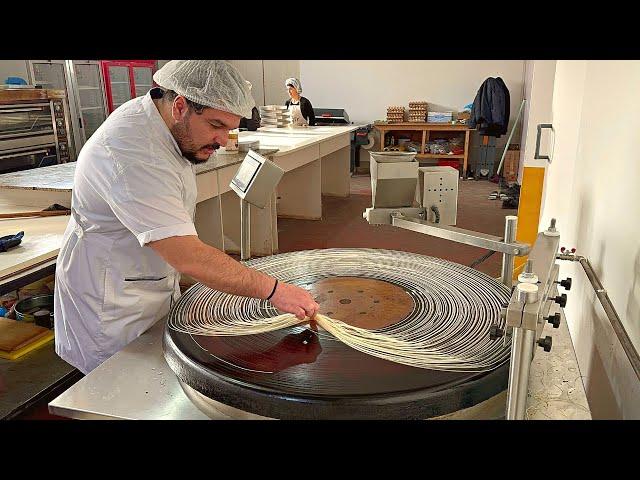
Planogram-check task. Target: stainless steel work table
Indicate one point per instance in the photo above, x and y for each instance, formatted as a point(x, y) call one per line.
point(137, 383)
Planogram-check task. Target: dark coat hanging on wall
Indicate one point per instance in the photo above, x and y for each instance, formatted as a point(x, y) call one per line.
point(491, 107)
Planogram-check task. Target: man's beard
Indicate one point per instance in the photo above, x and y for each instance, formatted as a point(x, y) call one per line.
point(180, 132)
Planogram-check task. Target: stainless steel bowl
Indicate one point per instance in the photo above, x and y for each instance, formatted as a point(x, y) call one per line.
point(26, 308)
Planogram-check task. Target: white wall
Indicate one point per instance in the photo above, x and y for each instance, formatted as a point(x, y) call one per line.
point(365, 88)
point(539, 80)
point(528, 83)
point(267, 78)
point(252, 70)
point(13, 68)
point(592, 189)
point(275, 74)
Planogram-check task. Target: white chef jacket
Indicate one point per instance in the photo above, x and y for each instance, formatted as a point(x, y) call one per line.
point(131, 186)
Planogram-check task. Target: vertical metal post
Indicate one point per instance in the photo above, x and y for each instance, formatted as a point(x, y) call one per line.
point(522, 345)
point(511, 224)
point(245, 231)
point(523, 341)
point(221, 220)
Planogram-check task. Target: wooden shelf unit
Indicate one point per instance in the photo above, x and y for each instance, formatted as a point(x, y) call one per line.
point(434, 155)
point(426, 129)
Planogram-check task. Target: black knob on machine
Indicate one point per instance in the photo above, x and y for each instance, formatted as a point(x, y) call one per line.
point(554, 320)
point(561, 300)
point(545, 343)
point(495, 332)
point(566, 283)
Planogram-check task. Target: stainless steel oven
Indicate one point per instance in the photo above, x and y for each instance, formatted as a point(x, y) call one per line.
point(33, 130)
point(83, 82)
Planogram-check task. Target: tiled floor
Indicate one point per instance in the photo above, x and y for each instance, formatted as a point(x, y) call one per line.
point(40, 410)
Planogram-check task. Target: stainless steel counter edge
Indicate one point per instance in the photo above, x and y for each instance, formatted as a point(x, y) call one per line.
point(217, 162)
point(59, 178)
point(224, 160)
point(135, 383)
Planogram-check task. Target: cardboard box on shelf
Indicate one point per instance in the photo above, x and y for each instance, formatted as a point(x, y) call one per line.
point(511, 164)
point(439, 117)
point(395, 114)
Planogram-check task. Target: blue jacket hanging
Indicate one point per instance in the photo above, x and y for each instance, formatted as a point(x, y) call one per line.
point(490, 111)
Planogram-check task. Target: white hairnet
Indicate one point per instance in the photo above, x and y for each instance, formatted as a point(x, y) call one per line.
point(212, 83)
point(295, 83)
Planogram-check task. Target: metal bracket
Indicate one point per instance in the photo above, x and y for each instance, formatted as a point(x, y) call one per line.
point(468, 237)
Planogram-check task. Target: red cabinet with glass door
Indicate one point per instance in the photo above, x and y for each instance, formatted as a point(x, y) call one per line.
point(126, 79)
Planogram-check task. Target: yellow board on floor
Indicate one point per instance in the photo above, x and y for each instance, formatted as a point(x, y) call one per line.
point(529, 207)
point(24, 350)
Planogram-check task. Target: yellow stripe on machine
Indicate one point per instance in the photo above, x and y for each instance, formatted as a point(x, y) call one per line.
point(529, 207)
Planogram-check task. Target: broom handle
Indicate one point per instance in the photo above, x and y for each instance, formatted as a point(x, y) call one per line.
point(513, 129)
point(52, 213)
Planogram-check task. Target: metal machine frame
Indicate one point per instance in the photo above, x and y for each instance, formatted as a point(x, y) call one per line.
point(532, 297)
point(526, 313)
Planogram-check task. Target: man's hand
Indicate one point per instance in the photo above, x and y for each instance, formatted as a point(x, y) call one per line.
point(189, 255)
point(296, 300)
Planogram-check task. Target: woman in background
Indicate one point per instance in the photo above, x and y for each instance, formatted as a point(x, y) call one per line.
point(299, 106)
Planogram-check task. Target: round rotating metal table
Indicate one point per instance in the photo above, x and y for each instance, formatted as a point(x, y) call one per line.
point(296, 373)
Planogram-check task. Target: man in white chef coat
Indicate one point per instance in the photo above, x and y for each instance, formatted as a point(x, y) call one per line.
point(132, 230)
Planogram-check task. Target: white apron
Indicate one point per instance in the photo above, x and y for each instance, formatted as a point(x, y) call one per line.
point(296, 115)
point(131, 186)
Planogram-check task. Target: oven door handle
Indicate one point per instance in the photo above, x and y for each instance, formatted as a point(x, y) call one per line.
point(26, 134)
point(20, 110)
point(20, 154)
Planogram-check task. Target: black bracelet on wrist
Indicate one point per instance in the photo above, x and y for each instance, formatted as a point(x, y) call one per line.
point(273, 291)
